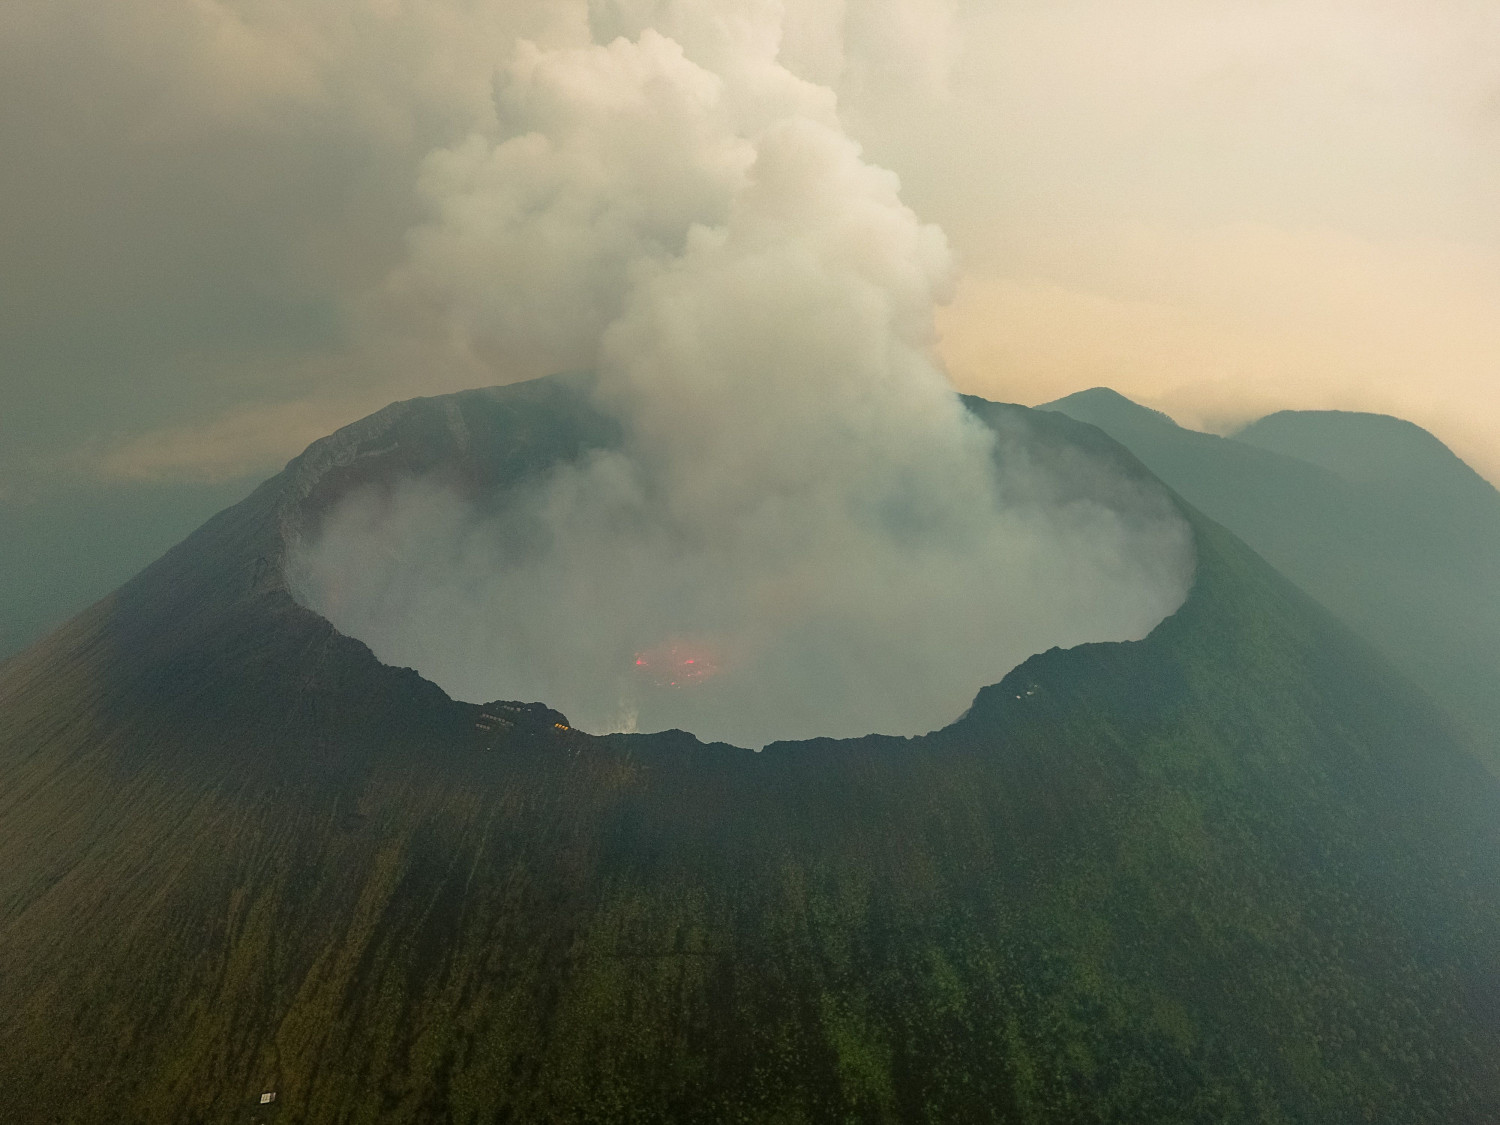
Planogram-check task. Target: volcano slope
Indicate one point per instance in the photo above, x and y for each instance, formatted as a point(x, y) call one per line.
point(1372, 516)
point(1238, 871)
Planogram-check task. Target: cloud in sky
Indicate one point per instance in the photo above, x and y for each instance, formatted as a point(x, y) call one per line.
point(223, 448)
point(218, 206)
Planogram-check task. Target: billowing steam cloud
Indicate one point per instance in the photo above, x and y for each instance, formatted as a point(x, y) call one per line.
point(804, 532)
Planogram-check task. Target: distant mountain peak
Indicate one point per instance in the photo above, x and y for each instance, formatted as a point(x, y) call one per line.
point(1358, 446)
point(1104, 406)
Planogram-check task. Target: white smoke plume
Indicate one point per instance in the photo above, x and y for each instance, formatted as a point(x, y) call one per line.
point(804, 532)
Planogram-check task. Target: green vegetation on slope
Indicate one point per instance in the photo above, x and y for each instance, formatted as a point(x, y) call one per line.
point(1236, 872)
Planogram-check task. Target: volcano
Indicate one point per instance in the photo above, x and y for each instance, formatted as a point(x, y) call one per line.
point(1240, 870)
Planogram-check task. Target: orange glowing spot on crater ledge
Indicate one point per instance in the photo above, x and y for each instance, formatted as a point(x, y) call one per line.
point(677, 664)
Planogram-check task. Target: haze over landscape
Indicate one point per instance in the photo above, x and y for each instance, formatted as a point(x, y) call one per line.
point(675, 677)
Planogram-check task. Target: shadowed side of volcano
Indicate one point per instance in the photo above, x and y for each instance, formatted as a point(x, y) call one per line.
point(208, 642)
point(1238, 871)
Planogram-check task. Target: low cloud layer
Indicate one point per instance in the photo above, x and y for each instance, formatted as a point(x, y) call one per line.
point(804, 532)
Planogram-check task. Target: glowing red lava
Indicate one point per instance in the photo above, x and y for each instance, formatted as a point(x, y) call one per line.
point(676, 664)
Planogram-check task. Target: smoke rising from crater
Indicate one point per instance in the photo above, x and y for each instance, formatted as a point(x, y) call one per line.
point(803, 532)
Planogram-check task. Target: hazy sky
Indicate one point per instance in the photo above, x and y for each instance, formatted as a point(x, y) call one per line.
point(212, 230)
point(1228, 208)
